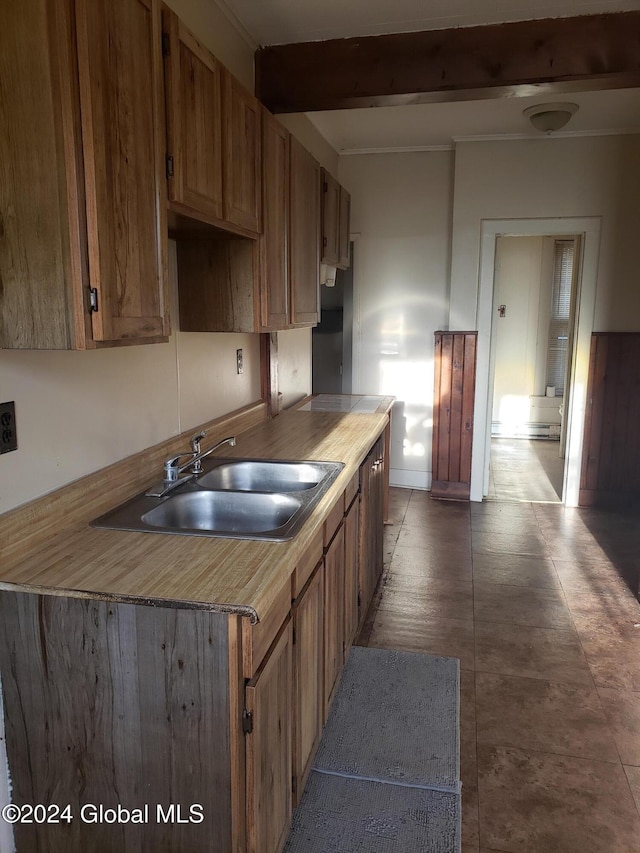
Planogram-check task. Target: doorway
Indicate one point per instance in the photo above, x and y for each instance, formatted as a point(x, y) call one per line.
point(575, 405)
point(536, 282)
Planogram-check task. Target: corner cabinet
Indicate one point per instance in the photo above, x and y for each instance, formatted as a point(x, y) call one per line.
point(82, 207)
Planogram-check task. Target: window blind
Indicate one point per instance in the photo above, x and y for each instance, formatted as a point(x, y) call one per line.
point(560, 313)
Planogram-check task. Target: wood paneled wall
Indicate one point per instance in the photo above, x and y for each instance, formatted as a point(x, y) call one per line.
point(117, 705)
point(611, 447)
point(453, 404)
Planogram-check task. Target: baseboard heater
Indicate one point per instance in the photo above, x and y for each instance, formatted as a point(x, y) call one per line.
point(526, 430)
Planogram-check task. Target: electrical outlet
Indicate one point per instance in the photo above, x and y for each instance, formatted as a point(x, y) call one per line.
point(8, 434)
point(239, 361)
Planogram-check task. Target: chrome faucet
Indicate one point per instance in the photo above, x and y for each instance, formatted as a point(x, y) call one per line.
point(172, 469)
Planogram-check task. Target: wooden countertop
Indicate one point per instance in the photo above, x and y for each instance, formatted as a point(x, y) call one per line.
point(239, 576)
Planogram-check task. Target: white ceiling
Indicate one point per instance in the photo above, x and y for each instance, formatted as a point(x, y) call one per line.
point(424, 126)
point(284, 21)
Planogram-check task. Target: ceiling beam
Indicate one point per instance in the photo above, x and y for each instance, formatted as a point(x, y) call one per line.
point(548, 56)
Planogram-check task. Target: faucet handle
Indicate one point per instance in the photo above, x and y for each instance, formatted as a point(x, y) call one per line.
point(195, 440)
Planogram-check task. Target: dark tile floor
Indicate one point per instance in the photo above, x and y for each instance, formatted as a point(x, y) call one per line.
point(536, 600)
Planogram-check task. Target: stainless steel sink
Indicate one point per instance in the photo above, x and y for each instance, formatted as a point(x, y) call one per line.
point(232, 498)
point(258, 475)
point(227, 512)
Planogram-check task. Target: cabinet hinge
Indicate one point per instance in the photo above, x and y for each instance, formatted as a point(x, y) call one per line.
point(169, 166)
point(166, 44)
point(93, 300)
point(247, 721)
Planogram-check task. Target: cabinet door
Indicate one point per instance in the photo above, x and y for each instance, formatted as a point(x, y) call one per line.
point(333, 616)
point(351, 530)
point(274, 243)
point(194, 121)
point(304, 251)
point(308, 626)
point(268, 700)
point(241, 166)
point(344, 251)
point(119, 61)
point(371, 524)
point(330, 219)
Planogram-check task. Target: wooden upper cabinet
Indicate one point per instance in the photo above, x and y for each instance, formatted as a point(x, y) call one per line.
point(274, 243)
point(330, 220)
point(304, 232)
point(344, 250)
point(213, 136)
point(336, 209)
point(241, 149)
point(121, 108)
point(82, 205)
point(193, 92)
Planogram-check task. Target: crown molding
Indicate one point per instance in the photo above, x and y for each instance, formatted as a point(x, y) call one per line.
point(400, 149)
point(236, 23)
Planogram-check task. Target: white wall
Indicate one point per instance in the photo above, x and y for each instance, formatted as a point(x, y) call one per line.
point(79, 411)
point(401, 213)
point(547, 178)
point(221, 34)
point(307, 134)
point(523, 278)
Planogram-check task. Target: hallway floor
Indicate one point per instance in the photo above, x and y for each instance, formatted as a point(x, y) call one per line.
point(525, 469)
point(536, 602)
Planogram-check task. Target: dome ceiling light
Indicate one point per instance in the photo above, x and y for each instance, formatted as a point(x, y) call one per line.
point(550, 117)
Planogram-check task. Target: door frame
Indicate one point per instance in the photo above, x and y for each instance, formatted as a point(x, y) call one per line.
point(589, 228)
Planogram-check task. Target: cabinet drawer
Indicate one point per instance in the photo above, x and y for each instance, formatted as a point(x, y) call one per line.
point(307, 564)
point(256, 639)
point(351, 491)
point(334, 520)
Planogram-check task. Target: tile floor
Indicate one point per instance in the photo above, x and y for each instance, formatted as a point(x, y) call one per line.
point(536, 600)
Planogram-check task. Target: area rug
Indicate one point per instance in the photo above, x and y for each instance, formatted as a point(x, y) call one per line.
point(340, 815)
point(385, 778)
point(395, 718)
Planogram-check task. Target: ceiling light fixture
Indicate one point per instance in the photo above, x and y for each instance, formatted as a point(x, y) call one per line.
point(550, 117)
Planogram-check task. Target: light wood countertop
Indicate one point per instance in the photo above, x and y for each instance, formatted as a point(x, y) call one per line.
point(240, 576)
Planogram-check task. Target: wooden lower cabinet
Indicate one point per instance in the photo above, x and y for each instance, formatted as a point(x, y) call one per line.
point(195, 707)
point(268, 749)
point(371, 524)
point(333, 616)
point(351, 580)
point(308, 704)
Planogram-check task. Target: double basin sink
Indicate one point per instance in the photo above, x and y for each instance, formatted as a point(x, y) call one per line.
point(233, 498)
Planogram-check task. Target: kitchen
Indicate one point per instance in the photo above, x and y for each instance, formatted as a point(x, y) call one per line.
point(76, 414)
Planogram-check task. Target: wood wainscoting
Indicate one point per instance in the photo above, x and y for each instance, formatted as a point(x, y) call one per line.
point(611, 446)
point(453, 403)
